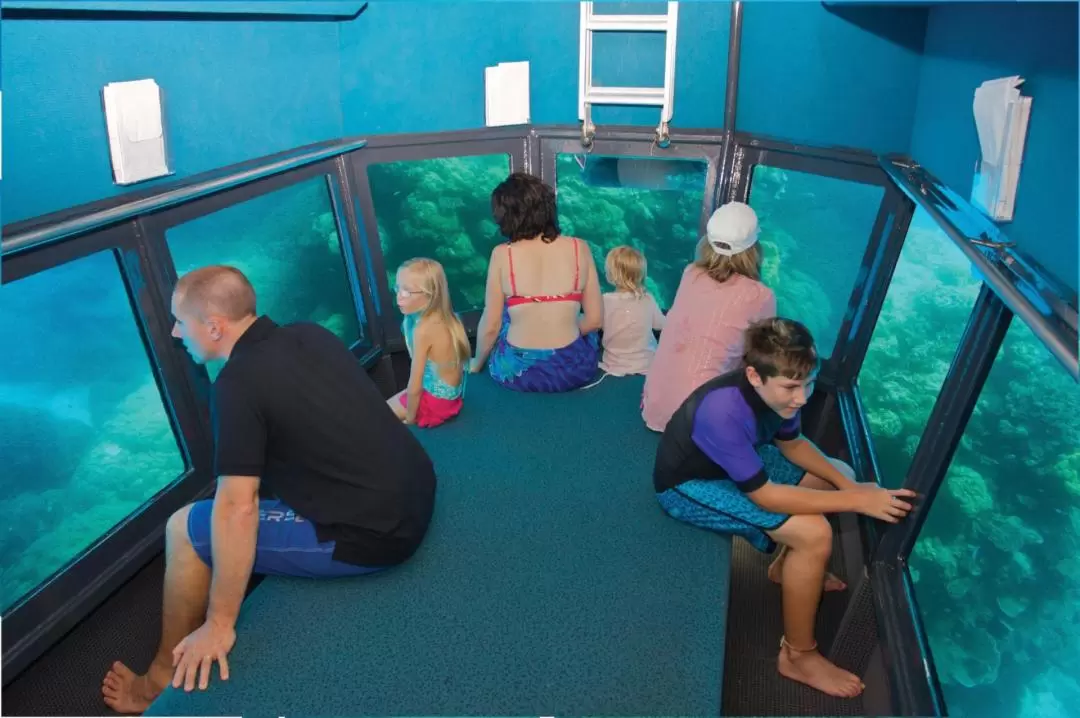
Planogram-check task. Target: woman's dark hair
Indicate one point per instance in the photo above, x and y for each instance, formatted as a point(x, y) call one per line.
point(524, 207)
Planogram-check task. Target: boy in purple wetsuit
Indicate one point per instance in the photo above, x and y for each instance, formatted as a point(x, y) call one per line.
point(733, 459)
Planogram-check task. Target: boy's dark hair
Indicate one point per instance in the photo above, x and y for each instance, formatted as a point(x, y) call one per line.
point(524, 207)
point(780, 347)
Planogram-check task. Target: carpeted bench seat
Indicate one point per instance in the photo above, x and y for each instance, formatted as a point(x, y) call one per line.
point(550, 583)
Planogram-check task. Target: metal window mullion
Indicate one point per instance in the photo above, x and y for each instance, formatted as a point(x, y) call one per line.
point(868, 297)
point(915, 683)
point(149, 275)
point(355, 256)
point(914, 688)
point(978, 349)
point(389, 333)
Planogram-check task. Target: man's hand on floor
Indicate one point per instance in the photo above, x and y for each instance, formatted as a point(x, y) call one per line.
point(197, 652)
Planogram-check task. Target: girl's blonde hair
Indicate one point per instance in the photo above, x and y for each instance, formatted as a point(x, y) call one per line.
point(625, 267)
point(432, 280)
point(720, 266)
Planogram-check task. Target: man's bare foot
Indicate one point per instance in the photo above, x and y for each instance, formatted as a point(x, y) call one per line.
point(126, 692)
point(776, 572)
point(816, 671)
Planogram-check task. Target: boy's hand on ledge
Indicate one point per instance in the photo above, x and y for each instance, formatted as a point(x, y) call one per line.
point(885, 504)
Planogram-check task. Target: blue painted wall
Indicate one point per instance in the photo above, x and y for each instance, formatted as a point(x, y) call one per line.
point(238, 90)
point(414, 67)
point(833, 75)
point(231, 90)
point(969, 43)
point(809, 72)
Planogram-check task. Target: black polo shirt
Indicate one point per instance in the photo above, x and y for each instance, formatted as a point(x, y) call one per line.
point(293, 406)
point(715, 434)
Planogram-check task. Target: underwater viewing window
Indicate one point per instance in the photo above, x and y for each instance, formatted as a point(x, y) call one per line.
point(926, 310)
point(287, 244)
point(651, 204)
point(440, 208)
point(996, 566)
point(84, 437)
point(814, 232)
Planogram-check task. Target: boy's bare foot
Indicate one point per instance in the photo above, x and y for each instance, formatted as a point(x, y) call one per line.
point(776, 572)
point(816, 671)
point(126, 692)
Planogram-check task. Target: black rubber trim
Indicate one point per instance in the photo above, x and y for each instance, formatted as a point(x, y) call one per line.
point(754, 483)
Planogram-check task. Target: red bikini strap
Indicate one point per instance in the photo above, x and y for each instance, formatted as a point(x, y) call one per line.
point(510, 256)
point(577, 268)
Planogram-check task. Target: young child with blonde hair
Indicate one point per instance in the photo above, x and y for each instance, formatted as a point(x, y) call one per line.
point(437, 344)
point(631, 314)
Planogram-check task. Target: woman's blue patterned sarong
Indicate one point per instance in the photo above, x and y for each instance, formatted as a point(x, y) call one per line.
point(544, 370)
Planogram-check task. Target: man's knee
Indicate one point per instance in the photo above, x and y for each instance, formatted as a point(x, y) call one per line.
point(176, 529)
point(810, 533)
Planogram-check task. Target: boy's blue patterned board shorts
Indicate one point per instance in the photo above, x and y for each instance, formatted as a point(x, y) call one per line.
point(718, 505)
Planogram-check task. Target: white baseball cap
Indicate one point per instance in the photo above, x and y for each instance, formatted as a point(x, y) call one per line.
point(733, 228)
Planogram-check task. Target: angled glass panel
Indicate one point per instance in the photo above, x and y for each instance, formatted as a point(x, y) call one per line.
point(997, 564)
point(84, 437)
point(814, 232)
point(440, 208)
point(926, 309)
point(653, 205)
point(286, 242)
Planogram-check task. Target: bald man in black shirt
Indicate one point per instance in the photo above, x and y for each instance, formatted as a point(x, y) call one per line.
point(295, 412)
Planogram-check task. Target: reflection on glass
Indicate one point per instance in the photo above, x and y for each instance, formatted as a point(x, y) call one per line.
point(926, 309)
point(651, 204)
point(84, 437)
point(997, 565)
point(440, 208)
point(286, 243)
point(814, 231)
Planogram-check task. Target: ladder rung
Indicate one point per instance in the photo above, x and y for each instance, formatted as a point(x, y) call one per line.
point(629, 23)
point(625, 96)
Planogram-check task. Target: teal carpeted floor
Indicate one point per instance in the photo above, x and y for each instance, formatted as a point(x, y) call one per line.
point(550, 583)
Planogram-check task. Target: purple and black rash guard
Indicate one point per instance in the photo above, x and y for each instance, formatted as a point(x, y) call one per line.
point(715, 435)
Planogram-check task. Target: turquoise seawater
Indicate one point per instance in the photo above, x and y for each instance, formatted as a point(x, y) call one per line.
point(85, 439)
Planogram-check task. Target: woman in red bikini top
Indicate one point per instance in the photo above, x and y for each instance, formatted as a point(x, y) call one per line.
point(543, 292)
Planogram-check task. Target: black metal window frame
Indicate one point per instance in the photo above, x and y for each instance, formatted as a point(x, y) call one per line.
point(636, 142)
point(1010, 282)
point(882, 250)
point(513, 142)
point(40, 617)
point(531, 148)
point(156, 226)
point(132, 227)
point(534, 149)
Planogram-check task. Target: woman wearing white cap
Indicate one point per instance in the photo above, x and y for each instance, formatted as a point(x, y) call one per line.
point(719, 296)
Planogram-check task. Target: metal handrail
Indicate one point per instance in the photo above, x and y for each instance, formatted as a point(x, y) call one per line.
point(1033, 294)
point(46, 232)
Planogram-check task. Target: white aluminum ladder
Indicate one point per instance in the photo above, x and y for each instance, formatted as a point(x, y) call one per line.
point(589, 95)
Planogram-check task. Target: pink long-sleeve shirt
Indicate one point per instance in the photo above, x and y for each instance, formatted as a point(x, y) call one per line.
point(702, 338)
